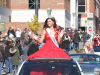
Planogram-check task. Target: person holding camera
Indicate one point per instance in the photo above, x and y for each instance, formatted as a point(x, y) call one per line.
point(96, 40)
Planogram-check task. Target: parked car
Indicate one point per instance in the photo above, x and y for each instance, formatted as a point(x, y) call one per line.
point(90, 63)
point(50, 66)
point(96, 50)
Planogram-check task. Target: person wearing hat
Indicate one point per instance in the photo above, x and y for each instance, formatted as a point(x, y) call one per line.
point(18, 34)
point(1, 56)
point(15, 58)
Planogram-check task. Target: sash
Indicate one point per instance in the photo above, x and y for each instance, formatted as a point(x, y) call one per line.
point(52, 37)
point(86, 50)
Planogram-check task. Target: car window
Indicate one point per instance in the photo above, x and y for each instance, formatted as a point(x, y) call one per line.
point(96, 48)
point(86, 58)
point(50, 69)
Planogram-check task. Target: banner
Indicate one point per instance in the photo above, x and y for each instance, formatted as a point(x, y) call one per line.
point(2, 26)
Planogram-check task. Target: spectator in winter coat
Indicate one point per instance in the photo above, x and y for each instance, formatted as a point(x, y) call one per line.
point(97, 40)
point(8, 57)
point(65, 42)
point(76, 40)
point(26, 38)
point(12, 31)
point(18, 33)
point(15, 58)
point(22, 38)
point(25, 50)
point(20, 49)
point(86, 49)
point(32, 49)
point(71, 40)
point(1, 56)
point(9, 31)
point(84, 38)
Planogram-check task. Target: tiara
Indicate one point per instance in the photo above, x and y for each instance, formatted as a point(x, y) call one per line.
point(50, 16)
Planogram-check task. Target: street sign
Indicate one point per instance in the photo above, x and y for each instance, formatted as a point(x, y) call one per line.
point(2, 26)
point(90, 29)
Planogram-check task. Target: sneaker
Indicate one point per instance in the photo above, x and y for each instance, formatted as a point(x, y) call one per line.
point(9, 74)
point(4, 66)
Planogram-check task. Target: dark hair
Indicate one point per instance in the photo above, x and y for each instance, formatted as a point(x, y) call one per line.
point(46, 25)
point(26, 42)
point(9, 28)
point(17, 41)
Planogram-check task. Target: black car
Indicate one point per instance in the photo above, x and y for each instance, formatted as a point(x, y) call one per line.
point(90, 63)
point(50, 66)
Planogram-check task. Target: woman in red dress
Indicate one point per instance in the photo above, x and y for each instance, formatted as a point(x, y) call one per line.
point(49, 49)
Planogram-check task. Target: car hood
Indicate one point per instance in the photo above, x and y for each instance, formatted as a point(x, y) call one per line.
point(89, 67)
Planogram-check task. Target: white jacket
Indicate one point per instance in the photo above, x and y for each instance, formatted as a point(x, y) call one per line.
point(18, 34)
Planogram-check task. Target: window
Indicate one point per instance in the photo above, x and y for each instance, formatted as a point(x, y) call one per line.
point(9, 18)
point(81, 6)
point(32, 4)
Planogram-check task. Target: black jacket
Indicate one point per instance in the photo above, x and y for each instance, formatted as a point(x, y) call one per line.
point(7, 53)
point(65, 43)
point(12, 31)
point(84, 38)
point(22, 35)
point(32, 49)
point(20, 49)
point(76, 38)
point(9, 31)
point(2, 52)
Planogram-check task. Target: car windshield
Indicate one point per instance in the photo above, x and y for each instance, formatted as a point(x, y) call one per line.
point(91, 59)
point(52, 68)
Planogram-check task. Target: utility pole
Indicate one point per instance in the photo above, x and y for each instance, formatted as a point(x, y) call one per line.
point(36, 8)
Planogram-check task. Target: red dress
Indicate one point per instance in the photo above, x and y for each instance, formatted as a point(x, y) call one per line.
point(49, 49)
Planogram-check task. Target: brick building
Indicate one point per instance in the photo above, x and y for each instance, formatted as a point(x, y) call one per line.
point(89, 16)
point(23, 10)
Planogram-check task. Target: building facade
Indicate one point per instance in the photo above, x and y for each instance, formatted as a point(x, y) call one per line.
point(88, 16)
point(23, 10)
point(74, 14)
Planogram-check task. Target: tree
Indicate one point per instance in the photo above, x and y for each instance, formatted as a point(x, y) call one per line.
point(2, 3)
point(34, 25)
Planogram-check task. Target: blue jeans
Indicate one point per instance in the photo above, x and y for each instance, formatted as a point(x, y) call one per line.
point(8, 64)
point(70, 46)
point(22, 42)
point(1, 64)
point(18, 39)
point(74, 46)
point(15, 67)
point(64, 49)
point(83, 44)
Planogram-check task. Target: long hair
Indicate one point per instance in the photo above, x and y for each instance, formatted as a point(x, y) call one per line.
point(91, 47)
point(26, 36)
point(46, 25)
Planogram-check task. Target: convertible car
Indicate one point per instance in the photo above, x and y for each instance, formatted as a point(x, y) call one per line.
point(90, 63)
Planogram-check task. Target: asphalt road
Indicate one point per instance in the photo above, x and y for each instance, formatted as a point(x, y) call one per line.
point(73, 51)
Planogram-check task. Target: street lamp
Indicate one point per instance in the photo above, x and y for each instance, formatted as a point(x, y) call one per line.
point(36, 9)
point(73, 19)
point(85, 26)
point(0, 18)
point(49, 11)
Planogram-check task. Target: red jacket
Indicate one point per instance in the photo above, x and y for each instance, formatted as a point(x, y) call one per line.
point(96, 41)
